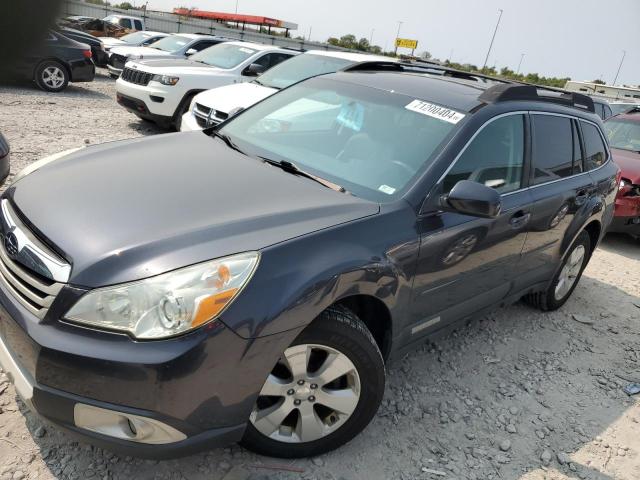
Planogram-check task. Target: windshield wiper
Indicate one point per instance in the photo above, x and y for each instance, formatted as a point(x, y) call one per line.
point(293, 169)
point(227, 140)
point(265, 85)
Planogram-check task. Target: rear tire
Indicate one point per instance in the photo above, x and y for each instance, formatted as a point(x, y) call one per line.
point(571, 269)
point(307, 426)
point(51, 76)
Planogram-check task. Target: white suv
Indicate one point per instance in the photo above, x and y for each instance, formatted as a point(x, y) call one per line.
point(213, 106)
point(161, 90)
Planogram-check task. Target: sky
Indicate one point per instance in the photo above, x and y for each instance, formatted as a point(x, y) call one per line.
point(581, 39)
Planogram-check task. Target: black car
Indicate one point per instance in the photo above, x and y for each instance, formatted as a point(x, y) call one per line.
point(58, 61)
point(250, 281)
point(5, 158)
point(98, 52)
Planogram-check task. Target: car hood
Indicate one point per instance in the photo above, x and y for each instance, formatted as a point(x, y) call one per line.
point(113, 42)
point(140, 52)
point(175, 66)
point(225, 99)
point(629, 163)
point(127, 210)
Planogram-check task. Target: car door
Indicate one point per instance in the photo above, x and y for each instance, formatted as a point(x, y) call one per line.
point(560, 188)
point(467, 263)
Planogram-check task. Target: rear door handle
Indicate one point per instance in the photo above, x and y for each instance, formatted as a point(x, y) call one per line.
point(519, 219)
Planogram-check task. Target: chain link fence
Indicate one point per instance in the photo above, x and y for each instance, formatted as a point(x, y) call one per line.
point(171, 23)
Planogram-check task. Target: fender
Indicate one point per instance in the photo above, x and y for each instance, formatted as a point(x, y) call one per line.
point(298, 279)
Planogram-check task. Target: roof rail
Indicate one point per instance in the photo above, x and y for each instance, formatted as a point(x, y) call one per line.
point(514, 91)
point(423, 67)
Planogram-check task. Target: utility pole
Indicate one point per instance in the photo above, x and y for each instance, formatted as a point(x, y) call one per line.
point(520, 63)
point(624, 53)
point(237, 6)
point(397, 36)
point(492, 39)
point(310, 29)
point(450, 55)
point(371, 36)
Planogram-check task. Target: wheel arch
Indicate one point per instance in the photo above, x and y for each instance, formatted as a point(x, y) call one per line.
point(376, 316)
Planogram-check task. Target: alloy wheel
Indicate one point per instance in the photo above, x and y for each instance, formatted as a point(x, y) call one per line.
point(53, 77)
point(570, 271)
point(310, 393)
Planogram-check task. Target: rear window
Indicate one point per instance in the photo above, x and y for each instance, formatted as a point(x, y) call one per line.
point(556, 148)
point(595, 151)
point(623, 134)
point(298, 68)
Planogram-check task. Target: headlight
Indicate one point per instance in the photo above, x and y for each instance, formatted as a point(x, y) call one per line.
point(165, 79)
point(623, 183)
point(41, 163)
point(169, 304)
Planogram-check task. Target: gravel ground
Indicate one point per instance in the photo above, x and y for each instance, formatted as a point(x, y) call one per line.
point(517, 395)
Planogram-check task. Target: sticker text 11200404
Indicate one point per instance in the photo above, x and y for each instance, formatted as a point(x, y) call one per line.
point(435, 111)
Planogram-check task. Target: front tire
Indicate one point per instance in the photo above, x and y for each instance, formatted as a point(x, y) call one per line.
point(51, 76)
point(324, 390)
point(567, 277)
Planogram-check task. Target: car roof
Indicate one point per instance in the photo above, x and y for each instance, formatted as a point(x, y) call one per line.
point(152, 33)
point(352, 56)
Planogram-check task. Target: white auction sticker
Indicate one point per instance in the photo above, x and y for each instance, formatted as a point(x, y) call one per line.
point(435, 111)
point(247, 50)
point(387, 189)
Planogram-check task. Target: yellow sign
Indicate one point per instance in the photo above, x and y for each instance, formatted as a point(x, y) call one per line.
point(406, 43)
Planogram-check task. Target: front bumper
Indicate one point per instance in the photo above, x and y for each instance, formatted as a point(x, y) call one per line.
point(159, 100)
point(202, 385)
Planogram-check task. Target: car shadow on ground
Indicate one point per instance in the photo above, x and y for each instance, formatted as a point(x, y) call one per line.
point(450, 403)
point(29, 89)
point(622, 244)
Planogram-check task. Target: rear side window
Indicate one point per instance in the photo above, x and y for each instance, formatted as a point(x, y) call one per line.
point(556, 148)
point(138, 24)
point(595, 151)
point(494, 158)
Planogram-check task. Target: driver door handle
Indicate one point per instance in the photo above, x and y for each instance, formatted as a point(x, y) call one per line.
point(519, 219)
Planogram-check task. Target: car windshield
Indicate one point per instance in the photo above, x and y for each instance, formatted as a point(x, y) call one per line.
point(372, 142)
point(135, 38)
point(617, 108)
point(224, 55)
point(300, 67)
point(623, 134)
point(170, 44)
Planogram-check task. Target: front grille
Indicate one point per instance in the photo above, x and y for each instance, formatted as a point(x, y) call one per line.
point(136, 76)
point(30, 288)
point(207, 117)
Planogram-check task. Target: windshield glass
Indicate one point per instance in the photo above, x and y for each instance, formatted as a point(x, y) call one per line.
point(223, 55)
point(300, 67)
point(170, 44)
point(135, 38)
point(623, 134)
point(372, 142)
point(617, 108)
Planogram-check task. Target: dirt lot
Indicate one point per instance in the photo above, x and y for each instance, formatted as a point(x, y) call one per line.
point(516, 395)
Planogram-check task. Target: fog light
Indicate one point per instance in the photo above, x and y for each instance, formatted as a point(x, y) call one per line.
point(124, 426)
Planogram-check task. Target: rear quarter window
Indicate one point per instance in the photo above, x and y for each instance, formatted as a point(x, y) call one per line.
point(595, 150)
point(554, 148)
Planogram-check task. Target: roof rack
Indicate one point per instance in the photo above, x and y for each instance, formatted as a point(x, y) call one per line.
point(423, 67)
point(514, 91)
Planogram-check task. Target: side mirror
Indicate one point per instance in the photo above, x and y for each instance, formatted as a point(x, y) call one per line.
point(190, 52)
point(253, 70)
point(472, 198)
